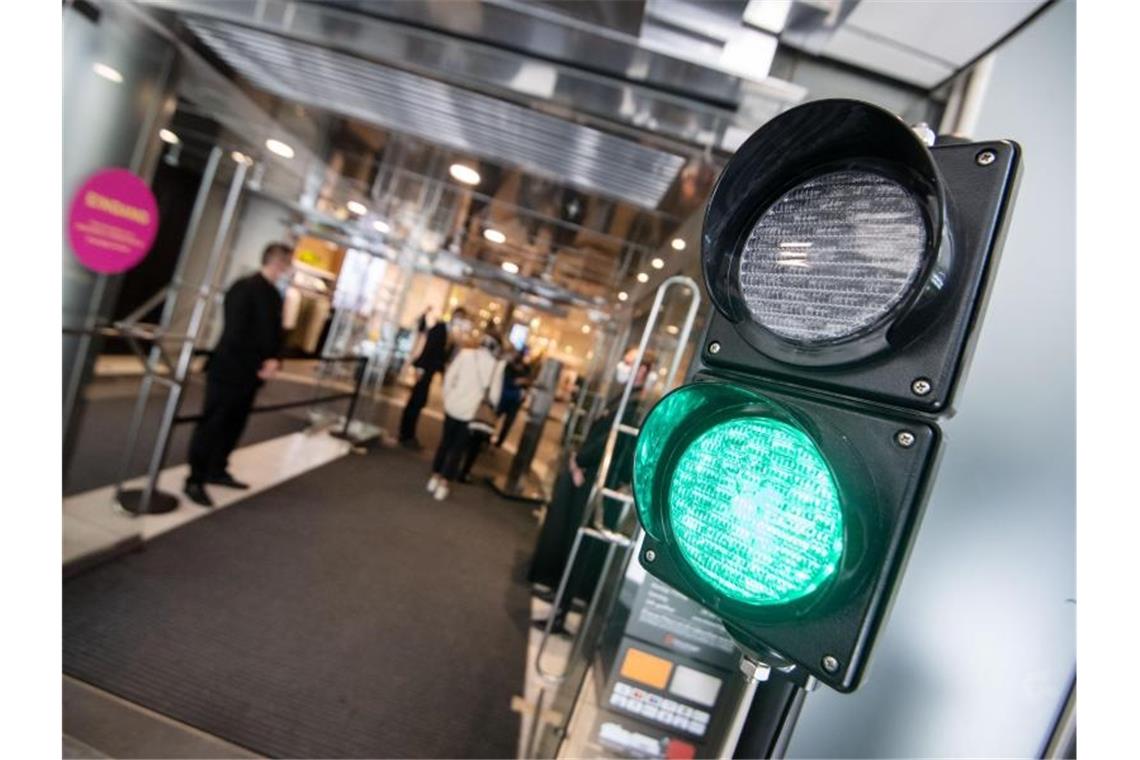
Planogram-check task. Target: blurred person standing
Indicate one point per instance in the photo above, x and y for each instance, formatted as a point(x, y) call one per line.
point(516, 379)
point(468, 384)
point(247, 354)
point(432, 360)
point(567, 508)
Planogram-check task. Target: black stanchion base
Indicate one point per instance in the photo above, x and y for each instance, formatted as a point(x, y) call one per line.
point(360, 445)
point(160, 503)
point(523, 492)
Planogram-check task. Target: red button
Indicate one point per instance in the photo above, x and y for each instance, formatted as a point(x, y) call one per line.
point(679, 750)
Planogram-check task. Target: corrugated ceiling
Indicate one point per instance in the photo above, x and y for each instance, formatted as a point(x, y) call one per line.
point(482, 126)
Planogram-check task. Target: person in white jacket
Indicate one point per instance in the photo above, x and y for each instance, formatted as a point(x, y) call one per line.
point(468, 383)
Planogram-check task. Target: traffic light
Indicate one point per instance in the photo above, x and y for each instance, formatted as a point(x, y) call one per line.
point(782, 485)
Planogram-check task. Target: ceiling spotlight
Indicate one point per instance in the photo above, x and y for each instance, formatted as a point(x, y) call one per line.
point(623, 296)
point(280, 148)
point(672, 329)
point(678, 244)
point(357, 208)
point(168, 137)
point(381, 226)
point(510, 267)
point(585, 329)
point(241, 158)
point(658, 263)
point(642, 277)
point(108, 73)
point(464, 174)
point(494, 236)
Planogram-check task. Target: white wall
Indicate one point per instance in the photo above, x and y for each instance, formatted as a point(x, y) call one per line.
point(976, 658)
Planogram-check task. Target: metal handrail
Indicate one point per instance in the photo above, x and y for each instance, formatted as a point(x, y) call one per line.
point(593, 523)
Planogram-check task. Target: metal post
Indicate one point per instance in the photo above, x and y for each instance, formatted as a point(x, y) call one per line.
point(770, 718)
point(170, 300)
point(133, 501)
point(592, 521)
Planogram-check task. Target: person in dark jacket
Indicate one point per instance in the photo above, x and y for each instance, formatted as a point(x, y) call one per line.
point(248, 354)
point(431, 361)
point(567, 507)
point(516, 378)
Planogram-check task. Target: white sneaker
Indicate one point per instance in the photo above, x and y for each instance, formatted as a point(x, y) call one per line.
point(441, 491)
point(433, 483)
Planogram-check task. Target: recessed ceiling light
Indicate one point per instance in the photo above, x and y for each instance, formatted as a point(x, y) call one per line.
point(585, 329)
point(381, 226)
point(280, 148)
point(168, 137)
point(107, 72)
point(678, 244)
point(465, 174)
point(511, 267)
point(642, 277)
point(494, 236)
point(672, 329)
point(357, 208)
point(623, 295)
point(657, 263)
point(241, 158)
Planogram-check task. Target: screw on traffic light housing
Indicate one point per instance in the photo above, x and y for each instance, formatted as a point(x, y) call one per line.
point(781, 487)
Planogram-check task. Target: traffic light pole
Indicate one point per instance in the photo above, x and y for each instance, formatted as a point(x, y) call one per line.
point(769, 719)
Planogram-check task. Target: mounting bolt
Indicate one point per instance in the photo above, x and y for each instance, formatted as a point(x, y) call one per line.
point(904, 438)
point(650, 555)
point(714, 348)
point(925, 133)
point(921, 386)
point(754, 670)
point(986, 157)
point(830, 664)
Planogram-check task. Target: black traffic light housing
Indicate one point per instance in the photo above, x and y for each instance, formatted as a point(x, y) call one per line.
point(868, 402)
point(914, 357)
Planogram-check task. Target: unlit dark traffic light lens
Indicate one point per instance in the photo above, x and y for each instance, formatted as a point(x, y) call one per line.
point(833, 256)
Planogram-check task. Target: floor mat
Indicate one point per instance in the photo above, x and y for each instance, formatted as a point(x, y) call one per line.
point(344, 613)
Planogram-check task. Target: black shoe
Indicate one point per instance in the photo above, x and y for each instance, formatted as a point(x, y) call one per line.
point(197, 494)
point(559, 628)
point(227, 481)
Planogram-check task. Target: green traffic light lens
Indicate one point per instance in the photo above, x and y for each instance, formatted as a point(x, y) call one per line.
point(756, 512)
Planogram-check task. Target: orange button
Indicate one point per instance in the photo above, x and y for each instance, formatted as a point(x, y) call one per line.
point(645, 668)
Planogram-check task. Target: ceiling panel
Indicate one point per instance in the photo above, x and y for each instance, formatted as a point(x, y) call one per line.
point(952, 31)
point(483, 126)
point(850, 46)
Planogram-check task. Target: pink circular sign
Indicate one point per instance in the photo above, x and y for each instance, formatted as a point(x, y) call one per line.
point(112, 221)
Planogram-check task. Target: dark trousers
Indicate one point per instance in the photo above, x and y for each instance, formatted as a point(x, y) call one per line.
point(416, 403)
point(510, 411)
point(223, 419)
point(452, 447)
point(477, 441)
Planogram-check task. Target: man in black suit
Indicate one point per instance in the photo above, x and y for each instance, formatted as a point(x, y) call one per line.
point(247, 355)
point(432, 360)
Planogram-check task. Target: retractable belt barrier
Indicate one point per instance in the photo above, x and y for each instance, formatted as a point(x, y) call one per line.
point(152, 500)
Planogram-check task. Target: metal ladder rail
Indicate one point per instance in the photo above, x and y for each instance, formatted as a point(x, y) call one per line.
point(593, 524)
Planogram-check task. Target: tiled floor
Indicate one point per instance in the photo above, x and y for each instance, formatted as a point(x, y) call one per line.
point(92, 520)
